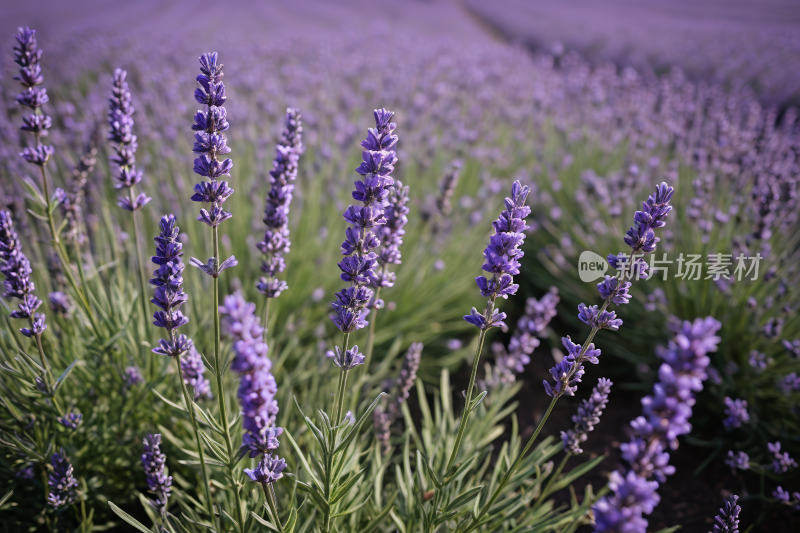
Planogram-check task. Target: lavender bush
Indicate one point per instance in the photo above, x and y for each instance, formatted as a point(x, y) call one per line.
point(283, 442)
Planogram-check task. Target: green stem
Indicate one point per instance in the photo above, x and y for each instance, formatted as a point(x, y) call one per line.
point(220, 389)
point(265, 324)
point(510, 471)
point(140, 271)
point(462, 426)
point(273, 506)
point(190, 407)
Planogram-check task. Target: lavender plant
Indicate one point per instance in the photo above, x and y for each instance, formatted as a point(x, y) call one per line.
point(120, 132)
point(28, 56)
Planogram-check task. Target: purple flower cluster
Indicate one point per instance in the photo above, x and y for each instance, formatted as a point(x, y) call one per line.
point(70, 420)
point(512, 361)
point(269, 470)
point(786, 498)
point(120, 132)
point(378, 160)
point(27, 55)
point(16, 268)
point(257, 388)
point(781, 461)
point(738, 460)
point(63, 485)
point(666, 416)
point(587, 417)
point(169, 295)
point(209, 142)
point(193, 370)
point(736, 411)
point(276, 215)
point(153, 461)
point(727, 521)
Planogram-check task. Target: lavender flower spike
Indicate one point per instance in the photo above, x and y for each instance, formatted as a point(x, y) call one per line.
point(18, 283)
point(193, 370)
point(587, 417)
point(727, 521)
point(120, 132)
point(350, 307)
point(257, 388)
point(169, 295)
point(209, 142)
point(502, 255)
point(63, 485)
point(27, 55)
point(276, 241)
point(153, 461)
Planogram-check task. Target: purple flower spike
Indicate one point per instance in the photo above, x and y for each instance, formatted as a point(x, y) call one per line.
point(276, 241)
point(28, 56)
point(169, 295)
point(727, 521)
point(209, 142)
point(153, 462)
point(587, 417)
point(261, 443)
point(257, 388)
point(120, 133)
point(63, 485)
point(18, 283)
point(372, 225)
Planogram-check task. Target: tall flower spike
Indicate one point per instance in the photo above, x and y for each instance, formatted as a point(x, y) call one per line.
point(120, 132)
point(587, 417)
point(257, 388)
point(153, 461)
point(501, 257)
point(62, 482)
point(276, 241)
point(28, 56)
point(366, 224)
point(209, 142)
point(169, 295)
point(18, 283)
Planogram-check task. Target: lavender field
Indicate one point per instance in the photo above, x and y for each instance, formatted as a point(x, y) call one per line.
point(443, 266)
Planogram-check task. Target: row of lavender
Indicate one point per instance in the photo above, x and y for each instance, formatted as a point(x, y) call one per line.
point(501, 259)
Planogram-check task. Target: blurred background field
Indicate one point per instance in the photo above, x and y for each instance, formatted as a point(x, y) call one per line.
point(592, 103)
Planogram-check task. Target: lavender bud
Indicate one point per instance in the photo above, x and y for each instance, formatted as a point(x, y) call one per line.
point(153, 461)
point(63, 485)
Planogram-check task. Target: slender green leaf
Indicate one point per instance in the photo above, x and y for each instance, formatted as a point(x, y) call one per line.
point(128, 518)
point(5, 498)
